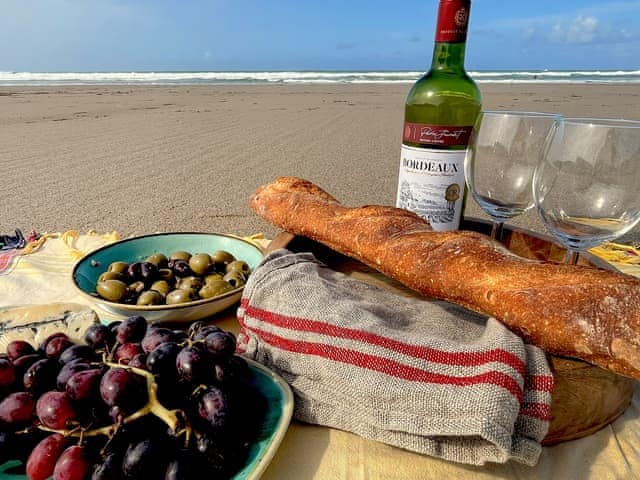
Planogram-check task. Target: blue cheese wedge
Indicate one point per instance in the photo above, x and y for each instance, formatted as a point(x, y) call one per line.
point(34, 323)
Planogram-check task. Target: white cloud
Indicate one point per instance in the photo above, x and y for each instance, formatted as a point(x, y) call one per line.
point(590, 22)
point(588, 30)
point(582, 29)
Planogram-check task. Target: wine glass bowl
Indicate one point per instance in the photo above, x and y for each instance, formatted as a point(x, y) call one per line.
point(504, 150)
point(587, 187)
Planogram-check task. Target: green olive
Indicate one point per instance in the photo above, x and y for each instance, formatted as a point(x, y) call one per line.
point(190, 283)
point(212, 277)
point(235, 278)
point(136, 288)
point(161, 286)
point(110, 276)
point(118, 267)
point(200, 263)
point(239, 265)
point(160, 260)
point(149, 297)
point(215, 288)
point(220, 258)
point(180, 255)
point(179, 296)
point(112, 290)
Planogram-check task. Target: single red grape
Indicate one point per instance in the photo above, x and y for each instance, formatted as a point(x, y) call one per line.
point(7, 374)
point(84, 385)
point(203, 331)
point(78, 352)
point(99, 336)
point(68, 370)
point(132, 329)
point(55, 410)
point(214, 407)
point(56, 346)
point(126, 351)
point(193, 364)
point(73, 464)
point(156, 336)
point(139, 360)
point(41, 376)
point(123, 388)
point(43, 345)
point(22, 364)
point(17, 408)
point(220, 344)
point(19, 348)
point(44, 456)
point(144, 459)
point(162, 360)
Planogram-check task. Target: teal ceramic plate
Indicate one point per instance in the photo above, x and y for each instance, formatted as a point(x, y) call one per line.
point(276, 422)
point(271, 433)
point(88, 269)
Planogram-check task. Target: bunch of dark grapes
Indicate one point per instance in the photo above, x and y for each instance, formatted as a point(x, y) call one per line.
point(135, 400)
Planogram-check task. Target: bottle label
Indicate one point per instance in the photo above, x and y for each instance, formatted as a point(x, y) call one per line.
point(453, 19)
point(439, 135)
point(431, 184)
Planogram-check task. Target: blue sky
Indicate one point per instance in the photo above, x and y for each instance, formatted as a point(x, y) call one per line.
point(125, 35)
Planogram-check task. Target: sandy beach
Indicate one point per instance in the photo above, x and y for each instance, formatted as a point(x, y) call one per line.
point(143, 159)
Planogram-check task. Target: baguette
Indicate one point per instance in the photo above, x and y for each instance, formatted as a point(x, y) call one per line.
point(575, 311)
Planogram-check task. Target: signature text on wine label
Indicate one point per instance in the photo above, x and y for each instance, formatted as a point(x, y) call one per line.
point(436, 134)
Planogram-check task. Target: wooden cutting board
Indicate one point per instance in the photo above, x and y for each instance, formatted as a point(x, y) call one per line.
point(585, 399)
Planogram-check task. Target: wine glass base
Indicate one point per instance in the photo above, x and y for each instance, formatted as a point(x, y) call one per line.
point(571, 257)
point(496, 231)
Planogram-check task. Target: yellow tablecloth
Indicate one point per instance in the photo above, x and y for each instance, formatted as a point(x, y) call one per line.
point(43, 275)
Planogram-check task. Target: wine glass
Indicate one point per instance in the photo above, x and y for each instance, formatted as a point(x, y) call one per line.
point(504, 150)
point(587, 187)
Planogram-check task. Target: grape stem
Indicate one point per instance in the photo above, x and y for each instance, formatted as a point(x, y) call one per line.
point(174, 419)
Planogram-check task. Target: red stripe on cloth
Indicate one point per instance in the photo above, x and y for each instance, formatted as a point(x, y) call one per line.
point(5, 259)
point(540, 383)
point(386, 366)
point(541, 411)
point(434, 355)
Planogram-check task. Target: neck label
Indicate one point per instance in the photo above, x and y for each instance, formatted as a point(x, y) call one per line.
point(453, 19)
point(440, 135)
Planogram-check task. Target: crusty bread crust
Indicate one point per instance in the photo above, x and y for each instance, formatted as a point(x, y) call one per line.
point(577, 311)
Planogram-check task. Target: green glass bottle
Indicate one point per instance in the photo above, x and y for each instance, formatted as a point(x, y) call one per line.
point(440, 111)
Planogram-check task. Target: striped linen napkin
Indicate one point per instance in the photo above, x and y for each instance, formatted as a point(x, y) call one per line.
point(422, 375)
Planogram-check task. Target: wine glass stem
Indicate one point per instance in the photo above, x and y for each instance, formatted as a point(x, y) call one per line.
point(571, 257)
point(496, 231)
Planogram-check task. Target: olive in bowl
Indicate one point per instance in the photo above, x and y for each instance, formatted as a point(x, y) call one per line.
point(138, 276)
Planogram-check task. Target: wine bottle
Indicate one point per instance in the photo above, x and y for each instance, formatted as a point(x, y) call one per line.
point(440, 112)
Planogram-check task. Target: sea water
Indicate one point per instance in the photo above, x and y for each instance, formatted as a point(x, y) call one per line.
point(304, 77)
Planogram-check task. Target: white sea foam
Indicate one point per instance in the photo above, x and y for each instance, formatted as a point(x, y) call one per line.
point(297, 77)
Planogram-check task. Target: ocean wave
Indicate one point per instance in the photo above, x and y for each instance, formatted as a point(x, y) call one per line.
point(12, 78)
point(559, 73)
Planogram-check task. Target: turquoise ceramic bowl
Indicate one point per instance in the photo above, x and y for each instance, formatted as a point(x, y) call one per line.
point(88, 269)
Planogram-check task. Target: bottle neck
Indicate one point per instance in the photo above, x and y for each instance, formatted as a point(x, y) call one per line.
point(451, 35)
point(448, 57)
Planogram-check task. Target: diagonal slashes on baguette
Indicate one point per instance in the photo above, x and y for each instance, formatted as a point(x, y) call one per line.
point(576, 311)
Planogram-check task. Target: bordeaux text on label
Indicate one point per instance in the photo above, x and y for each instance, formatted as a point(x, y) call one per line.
point(423, 166)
